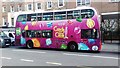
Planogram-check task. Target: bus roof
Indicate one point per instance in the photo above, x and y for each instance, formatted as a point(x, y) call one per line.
point(42, 11)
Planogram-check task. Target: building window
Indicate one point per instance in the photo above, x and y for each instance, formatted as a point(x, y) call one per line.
point(12, 8)
point(87, 2)
point(12, 21)
point(4, 9)
point(60, 3)
point(114, 0)
point(82, 2)
point(19, 7)
point(3, 20)
point(49, 5)
point(38, 5)
point(29, 6)
point(79, 2)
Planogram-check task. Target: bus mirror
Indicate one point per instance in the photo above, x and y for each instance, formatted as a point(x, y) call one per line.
point(79, 19)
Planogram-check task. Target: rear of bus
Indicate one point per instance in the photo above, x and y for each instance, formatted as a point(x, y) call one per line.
point(90, 30)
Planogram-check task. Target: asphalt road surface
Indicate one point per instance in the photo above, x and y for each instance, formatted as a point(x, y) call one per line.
point(19, 56)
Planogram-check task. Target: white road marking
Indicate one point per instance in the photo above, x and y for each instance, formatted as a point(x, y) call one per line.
point(28, 51)
point(92, 56)
point(54, 63)
point(26, 60)
point(6, 58)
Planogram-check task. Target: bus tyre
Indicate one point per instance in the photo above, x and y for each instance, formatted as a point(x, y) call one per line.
point(72, 46)
point(29, 44)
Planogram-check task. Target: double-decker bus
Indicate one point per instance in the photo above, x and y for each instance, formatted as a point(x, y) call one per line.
point(72, 29)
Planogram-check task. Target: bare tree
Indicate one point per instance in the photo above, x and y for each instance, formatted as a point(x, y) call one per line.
point(110, 25)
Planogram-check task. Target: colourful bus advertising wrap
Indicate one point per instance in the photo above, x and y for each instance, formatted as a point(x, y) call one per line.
point(74, 29)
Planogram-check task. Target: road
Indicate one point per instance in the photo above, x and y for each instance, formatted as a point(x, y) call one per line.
point(19, 56)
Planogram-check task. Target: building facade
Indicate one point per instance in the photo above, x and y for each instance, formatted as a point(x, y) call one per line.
point(0, 13)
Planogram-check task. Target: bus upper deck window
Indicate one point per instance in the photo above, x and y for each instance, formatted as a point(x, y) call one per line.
point(60, 15)
point(39, 17)
point(69, 14)
point(47, 16)
point(31, 17)
point(76, 13)
point(87, 13)
point(21, 18)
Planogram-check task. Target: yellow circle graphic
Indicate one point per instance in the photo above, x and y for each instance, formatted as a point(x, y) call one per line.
point(90, 23)
point(33, 23)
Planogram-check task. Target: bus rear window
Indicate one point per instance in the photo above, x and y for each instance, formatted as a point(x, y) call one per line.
point(87, 13)
point(89, 33)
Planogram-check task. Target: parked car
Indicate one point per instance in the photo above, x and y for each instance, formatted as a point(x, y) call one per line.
point(5, 41)
point(11, 35)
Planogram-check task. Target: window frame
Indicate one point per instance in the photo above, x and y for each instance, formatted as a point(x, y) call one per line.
point(78, 3)
point(48, 6)
point(4, 20)
point(63, 2)
point(12, 8)
point(4, 9)
point(12, 21)
point(81, 3)
point(37, 7)
point(28, 6)
point(19, 7)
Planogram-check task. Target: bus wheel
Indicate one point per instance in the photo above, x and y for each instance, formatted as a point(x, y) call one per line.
point(72, 46)
point(29, 44)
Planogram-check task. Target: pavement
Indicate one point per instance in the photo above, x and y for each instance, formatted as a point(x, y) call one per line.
point(19, 56)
